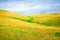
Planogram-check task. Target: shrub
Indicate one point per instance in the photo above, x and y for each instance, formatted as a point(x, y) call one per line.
point(57, 34)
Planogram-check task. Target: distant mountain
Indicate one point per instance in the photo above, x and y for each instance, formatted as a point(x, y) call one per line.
point(18, 27)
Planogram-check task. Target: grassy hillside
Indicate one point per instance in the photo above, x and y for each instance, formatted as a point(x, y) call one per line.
point(47, 19)
point(18, 27)
point(12, 15)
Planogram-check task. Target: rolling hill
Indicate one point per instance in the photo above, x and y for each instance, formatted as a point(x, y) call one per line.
point(12, 15)
point(47, 19)
point(19, 27)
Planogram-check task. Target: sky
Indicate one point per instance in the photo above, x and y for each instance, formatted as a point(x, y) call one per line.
point(31, 7)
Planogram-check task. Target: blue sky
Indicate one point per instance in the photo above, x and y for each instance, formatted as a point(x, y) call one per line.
point(31, 7)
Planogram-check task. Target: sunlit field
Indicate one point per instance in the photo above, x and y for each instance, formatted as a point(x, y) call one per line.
point(19, 27)
point(48, 19)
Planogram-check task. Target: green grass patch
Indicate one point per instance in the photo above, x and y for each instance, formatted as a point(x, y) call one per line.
point(57, 34)
point(50, 23)
point(30, 19)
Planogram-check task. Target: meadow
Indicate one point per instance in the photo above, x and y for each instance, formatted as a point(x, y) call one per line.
point(38, 27)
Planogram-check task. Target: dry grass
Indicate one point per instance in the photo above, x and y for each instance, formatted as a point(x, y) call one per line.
point(28, 33)
point(12, 29)
point(47, 19)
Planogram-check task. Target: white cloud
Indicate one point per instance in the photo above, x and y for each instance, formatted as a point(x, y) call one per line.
point(13, 6)
point(25, 6)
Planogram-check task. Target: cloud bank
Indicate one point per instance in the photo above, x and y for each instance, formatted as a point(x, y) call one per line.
point(31, 7)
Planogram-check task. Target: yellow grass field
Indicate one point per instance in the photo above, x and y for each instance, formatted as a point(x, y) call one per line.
point(48, 19)
point(15, 27)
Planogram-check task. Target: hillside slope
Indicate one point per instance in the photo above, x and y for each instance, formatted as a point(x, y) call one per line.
point(12, 15)
point(12, 28)
point(47, 19)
